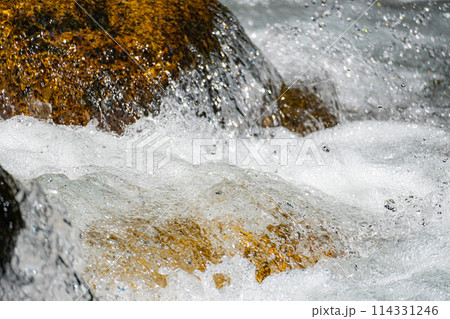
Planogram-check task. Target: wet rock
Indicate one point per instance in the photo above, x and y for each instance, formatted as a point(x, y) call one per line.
point(191, 244)
point(221, 280)
point(301, 111)
point(147, 248)
point(40, 249)
point(114, 61)
point(10, 218)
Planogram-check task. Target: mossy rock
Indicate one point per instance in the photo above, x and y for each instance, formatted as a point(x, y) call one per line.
point(113, 60)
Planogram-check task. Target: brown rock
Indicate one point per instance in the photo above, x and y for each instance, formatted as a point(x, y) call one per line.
point(300, 111)
point(53, 52)
point(221, 280)
point(192, 244)
point(113, 60)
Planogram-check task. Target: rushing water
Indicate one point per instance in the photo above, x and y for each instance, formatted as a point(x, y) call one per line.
point(382, 175)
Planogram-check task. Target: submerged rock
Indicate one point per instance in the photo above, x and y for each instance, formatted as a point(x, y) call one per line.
point(40, 250)
point(221, 280)
point(114, 61)
point(142, 247)
point(138, 241)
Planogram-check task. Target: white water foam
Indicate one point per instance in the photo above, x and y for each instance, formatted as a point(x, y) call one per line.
point(385, 177)
point(388, 179)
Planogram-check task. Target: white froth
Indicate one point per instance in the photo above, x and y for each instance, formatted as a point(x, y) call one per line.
point(385, 176)
point(368, 164)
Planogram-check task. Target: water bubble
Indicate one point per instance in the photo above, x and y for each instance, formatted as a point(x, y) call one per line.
point(325, 149)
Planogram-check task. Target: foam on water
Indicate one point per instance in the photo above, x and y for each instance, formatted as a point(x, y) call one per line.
point(381, 176)
point(384, 183)
point(392, 63)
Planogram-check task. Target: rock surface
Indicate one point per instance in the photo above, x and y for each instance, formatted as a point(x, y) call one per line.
point(301, 111)
point(40, 249)
point(10, 218)
point(72, 61)
point(190, 244)
point(139, 240)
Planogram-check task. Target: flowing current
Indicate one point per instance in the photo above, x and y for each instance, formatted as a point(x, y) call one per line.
point(381, 175)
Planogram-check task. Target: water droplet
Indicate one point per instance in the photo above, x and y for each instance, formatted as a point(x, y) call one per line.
point(403, 85)
point(380, 108)
point(326, 149)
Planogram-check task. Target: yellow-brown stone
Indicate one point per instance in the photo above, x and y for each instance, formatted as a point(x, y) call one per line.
point(142, 248)
point(300, 111)
point(221, 280)
point(54, 53)
point(72, 61)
